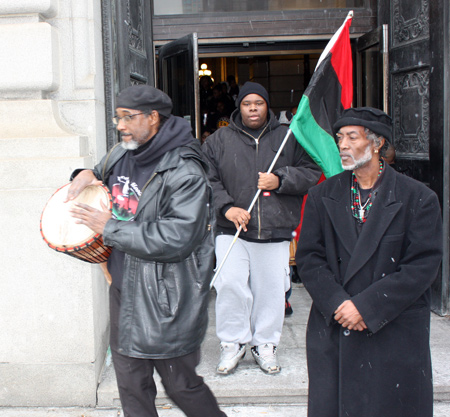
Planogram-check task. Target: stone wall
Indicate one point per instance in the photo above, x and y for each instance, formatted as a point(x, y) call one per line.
point(53, 308)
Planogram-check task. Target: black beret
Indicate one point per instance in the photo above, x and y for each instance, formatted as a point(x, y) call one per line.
point(145, 97)
point(374, 119)
point(252, 88)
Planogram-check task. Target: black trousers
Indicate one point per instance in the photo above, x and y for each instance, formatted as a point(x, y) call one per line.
point(137, 387)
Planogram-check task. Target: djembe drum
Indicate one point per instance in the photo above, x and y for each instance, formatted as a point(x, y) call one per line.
point(61, 232)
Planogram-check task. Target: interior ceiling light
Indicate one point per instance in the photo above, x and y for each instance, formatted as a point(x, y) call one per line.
point(204, 71)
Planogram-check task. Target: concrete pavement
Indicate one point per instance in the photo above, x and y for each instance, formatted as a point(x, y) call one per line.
point(249, 392)
point(440, 410)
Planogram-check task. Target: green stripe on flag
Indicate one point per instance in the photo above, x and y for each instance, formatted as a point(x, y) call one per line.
point(320, 146)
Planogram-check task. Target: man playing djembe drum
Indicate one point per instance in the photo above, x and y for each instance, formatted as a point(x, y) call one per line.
point(163, 252)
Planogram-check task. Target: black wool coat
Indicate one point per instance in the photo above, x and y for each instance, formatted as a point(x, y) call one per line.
point(384, 371)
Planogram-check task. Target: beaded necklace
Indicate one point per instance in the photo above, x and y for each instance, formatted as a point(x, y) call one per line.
point(361, 212)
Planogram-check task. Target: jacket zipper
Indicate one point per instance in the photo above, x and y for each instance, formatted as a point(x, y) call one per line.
point(106, 161)
point(258, 201)
point(148, 182)
point(257, 150)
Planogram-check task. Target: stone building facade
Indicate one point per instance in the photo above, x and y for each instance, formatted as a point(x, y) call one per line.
point(53, 79)
point(53, 308)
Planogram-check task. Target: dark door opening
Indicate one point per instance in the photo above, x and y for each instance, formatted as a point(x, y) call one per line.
point(284, 76)
point(284, 69)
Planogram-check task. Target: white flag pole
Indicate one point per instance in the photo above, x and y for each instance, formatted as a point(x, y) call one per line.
point(250, 208)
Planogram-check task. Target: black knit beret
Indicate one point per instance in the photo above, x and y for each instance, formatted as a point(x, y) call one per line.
point(144, 97)
point(252, 88)
point(374, 119)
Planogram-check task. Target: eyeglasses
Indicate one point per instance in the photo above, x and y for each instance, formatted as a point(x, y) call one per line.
point(125, 119)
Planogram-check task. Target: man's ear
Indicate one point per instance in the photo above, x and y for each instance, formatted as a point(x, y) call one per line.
point(154, 117)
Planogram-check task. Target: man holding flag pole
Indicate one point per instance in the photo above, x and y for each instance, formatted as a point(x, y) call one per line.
point(329, 92)
point(253, 155)
point(315, 135)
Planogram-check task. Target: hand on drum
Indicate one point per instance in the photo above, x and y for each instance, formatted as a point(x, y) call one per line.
point(80, 182)
point(91, 217)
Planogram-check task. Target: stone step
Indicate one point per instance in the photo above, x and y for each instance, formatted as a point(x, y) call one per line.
point(249, 385)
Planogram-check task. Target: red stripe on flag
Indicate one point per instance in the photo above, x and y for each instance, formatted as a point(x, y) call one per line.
point(341, 60)
point(299, 227)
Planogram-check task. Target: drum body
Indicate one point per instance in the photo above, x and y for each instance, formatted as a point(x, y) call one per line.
point(61, 232)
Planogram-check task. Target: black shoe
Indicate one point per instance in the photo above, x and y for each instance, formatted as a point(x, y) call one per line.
point(295, 277)
point(288, 309)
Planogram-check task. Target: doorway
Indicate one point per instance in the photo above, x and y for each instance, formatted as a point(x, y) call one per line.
point(284, 76)
point(284, 70)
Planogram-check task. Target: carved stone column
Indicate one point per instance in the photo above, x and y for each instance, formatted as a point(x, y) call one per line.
point(53, 308)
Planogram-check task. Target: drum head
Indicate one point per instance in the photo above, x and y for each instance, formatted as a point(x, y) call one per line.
point(59, 229)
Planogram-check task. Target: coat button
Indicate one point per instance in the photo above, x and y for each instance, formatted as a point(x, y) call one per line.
point(346, 332)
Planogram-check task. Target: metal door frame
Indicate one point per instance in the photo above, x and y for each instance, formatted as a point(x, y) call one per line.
point(378, 36)
point(187, 44)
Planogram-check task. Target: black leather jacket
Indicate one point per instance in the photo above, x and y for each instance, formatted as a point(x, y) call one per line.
point(169, 257)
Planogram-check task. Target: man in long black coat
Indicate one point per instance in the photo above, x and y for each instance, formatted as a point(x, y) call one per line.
point(370, 247)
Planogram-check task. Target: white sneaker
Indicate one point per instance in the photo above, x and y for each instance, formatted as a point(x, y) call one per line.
point(231, 354)
point(266, 357)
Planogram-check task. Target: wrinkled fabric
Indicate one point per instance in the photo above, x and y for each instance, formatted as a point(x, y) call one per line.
point(387, 271)
point(235, 158)
point(169, 256)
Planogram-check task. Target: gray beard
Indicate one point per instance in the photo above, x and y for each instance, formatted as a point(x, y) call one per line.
point(358, 163)
point(130, 146)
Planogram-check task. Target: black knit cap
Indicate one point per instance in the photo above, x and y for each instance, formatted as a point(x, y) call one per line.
point(252, 88)
point(374, 119)
point(144, 97)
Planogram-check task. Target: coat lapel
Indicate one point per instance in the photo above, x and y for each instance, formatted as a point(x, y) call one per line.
point(168, 161)
point(383, 211)
point(340, 214)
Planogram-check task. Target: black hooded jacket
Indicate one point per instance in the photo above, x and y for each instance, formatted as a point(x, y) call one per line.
point(169, 251)
point(136, 167)
point(235, 158)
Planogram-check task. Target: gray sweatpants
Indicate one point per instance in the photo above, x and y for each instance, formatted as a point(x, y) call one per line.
point(251, 291)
